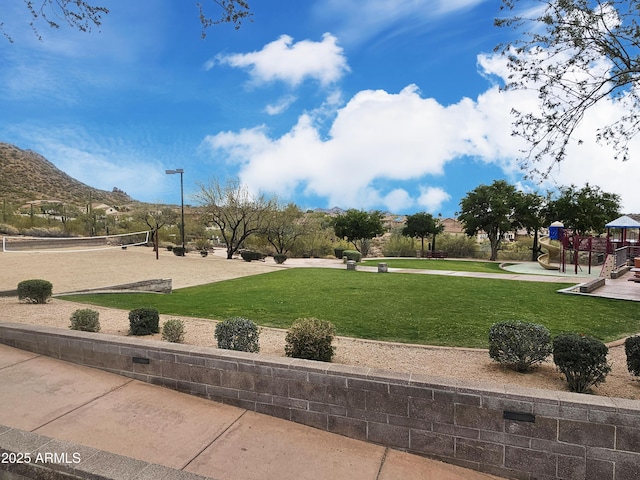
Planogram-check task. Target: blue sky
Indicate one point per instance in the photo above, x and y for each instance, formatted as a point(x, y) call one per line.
point(384, 104)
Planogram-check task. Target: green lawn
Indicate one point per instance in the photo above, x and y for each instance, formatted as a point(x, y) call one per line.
point(404, 307)
point(438, 264)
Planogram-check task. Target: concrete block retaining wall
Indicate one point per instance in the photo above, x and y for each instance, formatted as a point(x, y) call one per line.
point(507, 431)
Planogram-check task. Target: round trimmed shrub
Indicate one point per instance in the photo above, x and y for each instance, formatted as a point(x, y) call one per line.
point(237, 333)
point(85, 320)
point(279, 258)
point(339, 252)
point(180, 251)
point(310, 338)
point(352, 255)
point(632, 350)
point(144, 321)
point(35, 291)
point(173, 331)
point(519, 345)
point(248, 255)
point(582, 360)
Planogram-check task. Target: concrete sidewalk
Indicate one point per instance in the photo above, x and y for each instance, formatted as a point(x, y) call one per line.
point(94, 424)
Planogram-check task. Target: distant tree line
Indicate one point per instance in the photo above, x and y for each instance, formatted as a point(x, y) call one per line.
point(228, 214)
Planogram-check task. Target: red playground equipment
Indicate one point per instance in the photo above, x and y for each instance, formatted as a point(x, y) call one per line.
point(619, 247)
point(573, 244)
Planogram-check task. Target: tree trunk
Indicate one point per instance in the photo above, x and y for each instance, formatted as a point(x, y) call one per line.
point(534, 252)
point(422, 247)
point(495, 245)
point(229, 253)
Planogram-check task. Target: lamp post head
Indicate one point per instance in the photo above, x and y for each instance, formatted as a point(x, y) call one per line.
point(171, 172)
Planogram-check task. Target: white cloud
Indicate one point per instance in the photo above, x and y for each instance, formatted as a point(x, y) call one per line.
point(364, 20)
point(398, 200)
point(432, 198)
point(375, 136)
point(291, 63)
point(378, 138)
point(281, 105)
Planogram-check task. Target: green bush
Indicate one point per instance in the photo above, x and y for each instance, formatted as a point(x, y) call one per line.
point(632, 349)
point(310, 338)
point(458, 246)
point(237, 333)
point(35, 291)
point(352, 255)
point(279, 258)
point(582, 360)
point(399, 246)
point(180, 251)
point(173, 331)
point(339, 252)
point(144, 321)
point(519, 345)
point(86, 320)
point(248, 255)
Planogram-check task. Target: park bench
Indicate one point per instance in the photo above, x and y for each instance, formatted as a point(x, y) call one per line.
point(435, 254)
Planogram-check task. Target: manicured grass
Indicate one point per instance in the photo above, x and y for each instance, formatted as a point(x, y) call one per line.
point(439, 264)
point(404, 307)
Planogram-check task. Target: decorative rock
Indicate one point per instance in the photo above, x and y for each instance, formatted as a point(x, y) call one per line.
point(382, 268)
point(351, 264)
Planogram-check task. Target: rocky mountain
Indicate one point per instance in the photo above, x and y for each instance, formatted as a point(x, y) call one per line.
point(27, 176)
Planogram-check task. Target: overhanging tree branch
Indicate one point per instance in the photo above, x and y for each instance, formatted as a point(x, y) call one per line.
point(576, 54)
point(84, 15)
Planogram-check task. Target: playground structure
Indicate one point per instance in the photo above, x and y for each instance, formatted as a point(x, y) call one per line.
point(570, 248)
point(552, 251)
point(614, 252)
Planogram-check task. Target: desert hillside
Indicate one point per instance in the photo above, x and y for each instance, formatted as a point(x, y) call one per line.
point(27, 176)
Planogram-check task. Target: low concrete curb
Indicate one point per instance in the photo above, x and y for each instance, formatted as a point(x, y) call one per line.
point(45, 458)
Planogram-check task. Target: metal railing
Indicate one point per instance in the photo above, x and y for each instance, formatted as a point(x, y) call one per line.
point(624, 254)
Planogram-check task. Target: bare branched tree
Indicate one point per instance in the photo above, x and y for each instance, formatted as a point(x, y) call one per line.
point(576, 54)
point(84, 15)
point(235, 211)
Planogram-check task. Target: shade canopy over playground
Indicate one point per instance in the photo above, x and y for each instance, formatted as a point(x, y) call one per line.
point(623, 230)
point(624, 221)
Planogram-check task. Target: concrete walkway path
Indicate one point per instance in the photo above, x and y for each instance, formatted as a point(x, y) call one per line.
point(94, 424)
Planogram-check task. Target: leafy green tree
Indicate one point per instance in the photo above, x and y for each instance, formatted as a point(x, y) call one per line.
point(490, 208)
point(531, 213)
point(358, 227)
point(585, 210)
point(84, 15)
point(422, 225)
point(235, 211)
point(319, 238)
point(285, 226)
point(576, 53)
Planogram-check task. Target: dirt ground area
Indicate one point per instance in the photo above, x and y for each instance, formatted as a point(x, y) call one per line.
point(76, 271)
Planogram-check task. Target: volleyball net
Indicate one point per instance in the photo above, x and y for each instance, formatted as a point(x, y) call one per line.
point(73, 244)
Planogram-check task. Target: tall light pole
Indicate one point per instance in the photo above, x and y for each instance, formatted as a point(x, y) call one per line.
point(181, 172)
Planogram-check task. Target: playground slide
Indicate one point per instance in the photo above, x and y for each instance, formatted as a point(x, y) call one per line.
point(544, 260)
